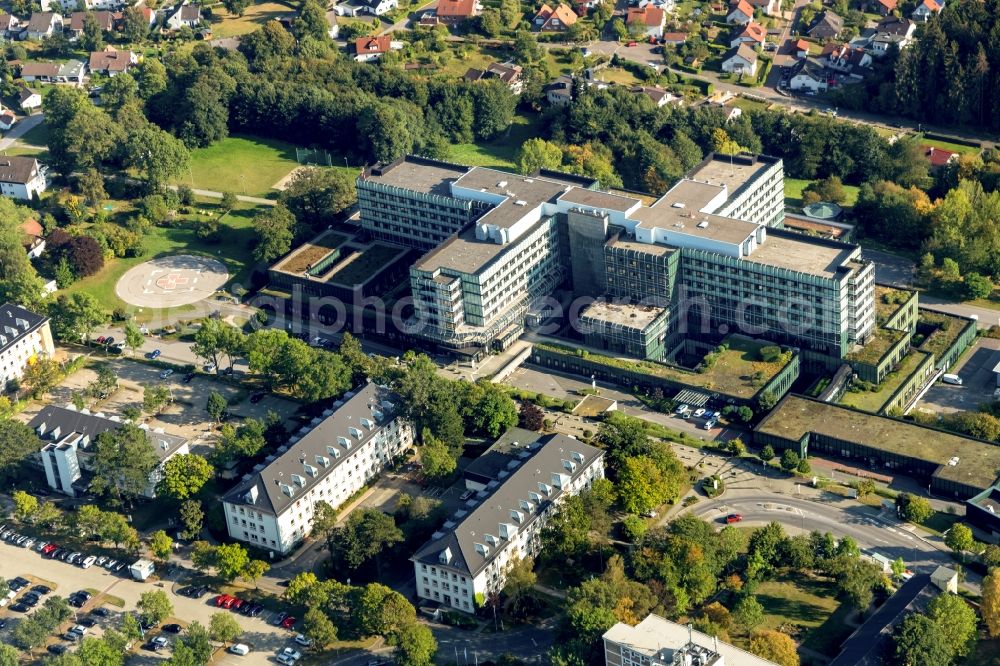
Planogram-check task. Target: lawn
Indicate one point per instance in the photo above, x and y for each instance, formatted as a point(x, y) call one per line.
point(235, 251)
point(617, 75)
point(803, 601)
point(36, 136)
point(947, 145)
point(240, 164)
point(794, 187)
point(225, 24)
point(500, 153)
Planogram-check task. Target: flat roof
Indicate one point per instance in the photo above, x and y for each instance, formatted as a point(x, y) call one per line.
point(978, 464)
point(693, 194)
point(462, 252)
point(523, 193)
point(657, 249)
point(418, 175)
point(597, 199)
point(657, 636)
point(623, 314)
point(692, 223)
point(733, 174)
point(805, 254)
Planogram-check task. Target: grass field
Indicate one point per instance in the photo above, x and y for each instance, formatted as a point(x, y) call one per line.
point(947, 145)
point(500, 153)
point(617, 75)
point(37, 135)
point(225, 24)
point(806, 602)
point(240, 164)
point(794, 187)
point(234, 251)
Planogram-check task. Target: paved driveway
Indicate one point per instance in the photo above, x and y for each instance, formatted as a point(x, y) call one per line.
point(978, 382)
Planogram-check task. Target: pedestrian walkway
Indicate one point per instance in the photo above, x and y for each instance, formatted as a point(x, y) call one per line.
point(260, 201)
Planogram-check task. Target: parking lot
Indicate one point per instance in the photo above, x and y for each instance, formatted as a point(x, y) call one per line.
point(978, 381)
point(111, 589)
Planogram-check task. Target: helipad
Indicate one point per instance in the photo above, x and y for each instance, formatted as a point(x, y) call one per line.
point(171, 281)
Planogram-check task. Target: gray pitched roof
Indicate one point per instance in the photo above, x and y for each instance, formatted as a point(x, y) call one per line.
point(310, 457)
point(521, 491)
point(15, 321)
point(55, 423)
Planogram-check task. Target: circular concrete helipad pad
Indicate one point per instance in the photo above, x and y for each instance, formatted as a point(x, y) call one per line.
point(171, 281)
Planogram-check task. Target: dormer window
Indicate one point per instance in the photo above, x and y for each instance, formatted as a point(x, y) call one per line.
point(445, 556)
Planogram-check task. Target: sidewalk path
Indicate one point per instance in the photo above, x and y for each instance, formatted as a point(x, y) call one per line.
point(239, 197)
point(24, 126)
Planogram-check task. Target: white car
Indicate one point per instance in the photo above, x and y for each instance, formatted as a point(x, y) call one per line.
point(88, 562)
point(240, 649)
point(28, 543)
point(289, 655)
point(79, 630)
point(166, 373)
point(699, 412)
point(303, 640)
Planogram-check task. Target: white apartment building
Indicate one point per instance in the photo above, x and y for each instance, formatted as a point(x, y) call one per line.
point(659, 642)
point(328, 461)
point(24, 337)
point(468, 558)
point(21, 177)
point(69, 435)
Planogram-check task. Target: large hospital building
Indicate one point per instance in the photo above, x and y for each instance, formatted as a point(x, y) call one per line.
point(711, 251)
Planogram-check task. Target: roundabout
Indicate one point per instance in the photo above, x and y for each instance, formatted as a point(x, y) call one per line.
point(171, 281)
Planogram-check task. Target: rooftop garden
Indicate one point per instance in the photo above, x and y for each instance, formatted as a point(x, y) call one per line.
point(365, 264)
point(888, 301)
point(872, 398)
point(876, 348)
point(943, 331)
point(311, 253)
point(738, 367)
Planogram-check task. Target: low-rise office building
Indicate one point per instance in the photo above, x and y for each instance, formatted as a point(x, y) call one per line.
point(639, 331)
point(69, 436)
point(468, 558)
point(657, 641)
point(24, 337)
point(272, 508)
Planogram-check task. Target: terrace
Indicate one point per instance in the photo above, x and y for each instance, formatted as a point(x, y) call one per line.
point(311, 254)
point(873, 401)
point(888, 301)
point(945, 330)
point(875, 349)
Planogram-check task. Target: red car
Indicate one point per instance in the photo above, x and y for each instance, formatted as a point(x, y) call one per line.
point(222, 599)
point(49, 548)
point(288, 622)
point(632, 44)
point(733, 518)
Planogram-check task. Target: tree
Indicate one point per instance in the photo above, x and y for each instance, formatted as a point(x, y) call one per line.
point(491, 409)
point(311, 22)
point(134, 339)
point(83, 253)
point(90, 184)
point(184, 475)
point(748, 613)
point(919, 642)
point(978, 286)
point(25, 505)
point(253, 571)
point(317, 197)
point(775, 646)
point(275, 230)
point(767, 453)
point(437, 461)
point(382, 611)
point(9, 656)
point(161, 545)
point(789, 460)
point(134, 25)
point(365, 534)
point(642, 486)
point(196, 641)
point(231, 560)
point(531, 416)
point(536, 154)
point(236, 6)
point(236, 443)
point(122, 462)
point(75, 317)
point(216, 406)
point(493, 104)
point(192, 516)
point(415, 645)
point(155, 154)
point(520, 586)
point(990, 605)
point(959, 538)
point(41, 376)
point(318, 628)
point(223, 627)
point(154, 398)
point(202, 555)
point(955, 621)
point(92, 38)
point(913, 508)
point(17, 443)
point(154, 606)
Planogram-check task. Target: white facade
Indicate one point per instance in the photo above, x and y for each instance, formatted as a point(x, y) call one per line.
point(380, 7)
point(331, 462)
point(21, 345)
point(25, 186)
point(805, 81)
point(72, 5)
point(469, 559)
point(737, 64)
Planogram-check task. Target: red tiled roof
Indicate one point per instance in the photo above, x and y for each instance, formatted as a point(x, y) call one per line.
point(888, 4)
point(456, 8)
point(754, 31)
point(802, 45)
point(649, 15)
point(931, 5)
point(743, 6)
point(675, 36)
point(31, 227)
point(379, 44)
point(938, 156)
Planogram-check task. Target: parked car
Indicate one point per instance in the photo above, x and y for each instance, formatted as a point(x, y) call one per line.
point(155, 354)
point(682, 409)
point(100, 611)
point(18, 583)
point(257, 397)
point(241, 649)
point(734, 518)
point(56, 648)
point(709, 424)
point(88, 562)
point(291, 655)
point(187, 378)
point(279, 618)
point(20, 607)
point(166, 373)
point(698, 413)
point(41, 589)
point(288, 622)
point(157, 643)
point(88, 622)
point(209, 367)
point(303, 640)
point(172, 628)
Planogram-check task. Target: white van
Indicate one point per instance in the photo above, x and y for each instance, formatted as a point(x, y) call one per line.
point(952, 379)
point(241, 649)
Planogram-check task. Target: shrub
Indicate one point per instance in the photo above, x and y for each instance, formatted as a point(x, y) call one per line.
point(633, 528)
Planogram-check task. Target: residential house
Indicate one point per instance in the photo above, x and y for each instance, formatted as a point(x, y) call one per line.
point(554, 19)
point(371, 48)
point(740, 12)
point(808, 76)
point(68, 438)
point(658, 641)
point(45, 72)
point(666, 5)
point(327, 461)
point(740, 60)
point(184, 16)
point(111, 61)
point(939, 157)
point(43, 25)
point(768, 7)
point(659, 96)
point(21, 178)
point(560, 91)
point(105, 19)
point(352, 9)
point(892, 31)
point(927, 9)
point(24, 338)
point(649, 18)
point(466, 561)
point(148, 14)
point(28, 99)
point(67, 6)
point(583, 7)
point(846, 59)
point(33, 238)
point(379, 7)
point(674, 38)
point(752, 34)
point(10, 26)
point(800, 48)
point(453, 12)
point(508, 73)
point(7, 118)
point(885, 7)
point(828, 25)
